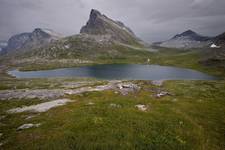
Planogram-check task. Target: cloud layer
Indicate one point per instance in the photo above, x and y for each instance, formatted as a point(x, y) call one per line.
point(151, 20)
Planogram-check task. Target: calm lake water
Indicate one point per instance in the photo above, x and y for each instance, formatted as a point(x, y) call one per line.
point(119, 71)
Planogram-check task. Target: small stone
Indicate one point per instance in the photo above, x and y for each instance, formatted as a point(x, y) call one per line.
point(181, 122)
point(90, 103)
point(27, 126)
point(174, 100)
point(115, 105)
point(30, 117)
point(162, 94)
point(1, 134)
point(141, 107)
point(2, 117)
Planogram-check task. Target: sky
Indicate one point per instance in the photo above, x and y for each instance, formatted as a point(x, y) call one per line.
point(151, 20)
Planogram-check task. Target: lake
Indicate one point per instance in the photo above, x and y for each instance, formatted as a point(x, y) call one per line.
point(119, 72)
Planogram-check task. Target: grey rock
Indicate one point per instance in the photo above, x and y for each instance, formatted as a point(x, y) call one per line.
point(162, 93)
point(43, 107)
point(127, 87)
point(157, 82)
point(115, 105)
point(27, 126)
point(141, 107)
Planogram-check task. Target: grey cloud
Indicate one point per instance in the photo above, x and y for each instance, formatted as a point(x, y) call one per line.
point(152, 20)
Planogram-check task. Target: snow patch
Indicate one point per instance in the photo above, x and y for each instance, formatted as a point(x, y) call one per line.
point(214, 46)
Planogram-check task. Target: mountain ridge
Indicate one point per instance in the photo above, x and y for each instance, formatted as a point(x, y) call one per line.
point(186, 40)
point(29, 40)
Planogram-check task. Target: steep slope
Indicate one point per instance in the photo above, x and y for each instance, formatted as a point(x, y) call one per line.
point(187, 39)
point(27, 41)
point(100, 25)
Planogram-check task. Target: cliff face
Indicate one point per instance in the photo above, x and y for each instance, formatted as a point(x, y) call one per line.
point(100, 25)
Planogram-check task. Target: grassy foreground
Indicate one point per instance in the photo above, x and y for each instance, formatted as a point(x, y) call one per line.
point(191, 118)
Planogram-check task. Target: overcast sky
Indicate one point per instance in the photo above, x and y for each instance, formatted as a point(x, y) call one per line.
point(151, 20)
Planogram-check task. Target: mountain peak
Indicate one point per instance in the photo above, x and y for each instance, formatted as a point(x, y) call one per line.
point(95, 23)
point(189, 32)
point(186, 33)
point(191, 35)
point(94, 12)
point(99, 24)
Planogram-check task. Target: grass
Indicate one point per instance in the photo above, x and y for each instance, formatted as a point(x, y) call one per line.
point(192, 118)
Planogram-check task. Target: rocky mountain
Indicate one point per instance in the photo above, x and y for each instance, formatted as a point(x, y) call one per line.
point(187, 39)
point(100, 25)
point(101, 37)
point(27, 41)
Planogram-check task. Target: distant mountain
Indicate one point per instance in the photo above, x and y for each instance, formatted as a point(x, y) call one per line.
point(187, 39)
point(110, 30)
point(27, 41)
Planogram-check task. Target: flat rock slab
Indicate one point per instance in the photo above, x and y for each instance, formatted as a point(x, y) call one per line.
point(157, 82)
point(46, 94)
point(27, 126)
point(43, 107)
point(21, 94)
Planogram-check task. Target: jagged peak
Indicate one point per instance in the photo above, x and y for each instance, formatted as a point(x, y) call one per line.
point(100, 24)
point(95, 12)
point(185, 33)
point(188, 32)
point(46, 31)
